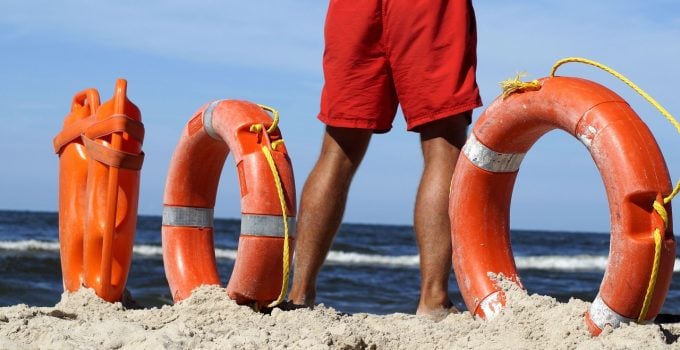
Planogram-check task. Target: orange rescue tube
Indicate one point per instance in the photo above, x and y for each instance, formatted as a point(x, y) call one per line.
point(100, 162)
point(634, 174)
point(72, 180)
point(221, 127)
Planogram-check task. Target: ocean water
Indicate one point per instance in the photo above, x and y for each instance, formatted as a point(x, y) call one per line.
point(371, 268)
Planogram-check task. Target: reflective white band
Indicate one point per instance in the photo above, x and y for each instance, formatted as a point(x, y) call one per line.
point(188, 216)
point(491, 306)
point(207, 120)
point(587, 136)
point(602, 315)
point(490, 160)
point(266, 225)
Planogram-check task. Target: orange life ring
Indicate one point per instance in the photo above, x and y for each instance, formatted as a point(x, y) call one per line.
point(100, 159)
point(190, 193)
point(634, 174)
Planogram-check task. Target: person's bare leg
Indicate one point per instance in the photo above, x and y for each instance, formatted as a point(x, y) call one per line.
point(322, 206)
point(441, 142)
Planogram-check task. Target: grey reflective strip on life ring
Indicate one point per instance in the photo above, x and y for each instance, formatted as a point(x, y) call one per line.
point(601, 314)
point(188, 216)
point(266, 225)
point(491, 306)
point(490, 160)
point(207, 120)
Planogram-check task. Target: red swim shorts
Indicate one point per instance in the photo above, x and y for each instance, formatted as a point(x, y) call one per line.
point(382, 53)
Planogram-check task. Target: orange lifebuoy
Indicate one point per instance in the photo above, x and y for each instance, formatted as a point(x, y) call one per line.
point(190, 194)
point(100, 159)
point(634, 174)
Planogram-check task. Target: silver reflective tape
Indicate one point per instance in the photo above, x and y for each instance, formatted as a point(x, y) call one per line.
point(187, 216)
point(266, 225)
point(488, 159)
point(207, 120)
point(491, 306)
point(601, 314)
point(587, 136)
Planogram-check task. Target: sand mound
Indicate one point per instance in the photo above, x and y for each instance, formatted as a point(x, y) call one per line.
point(209, 320)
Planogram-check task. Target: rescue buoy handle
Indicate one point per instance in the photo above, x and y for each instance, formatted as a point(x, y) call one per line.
point(120, 96)
point(88, 97)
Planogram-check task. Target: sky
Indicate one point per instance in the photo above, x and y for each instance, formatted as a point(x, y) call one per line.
point(178, 55)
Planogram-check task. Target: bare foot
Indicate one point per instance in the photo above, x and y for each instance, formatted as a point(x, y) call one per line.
point(289, 305)
point(437, 314)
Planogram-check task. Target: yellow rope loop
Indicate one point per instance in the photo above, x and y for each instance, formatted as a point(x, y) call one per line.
point(512, 85)
point(275, 113)
point(286, 244)
point(276, 144)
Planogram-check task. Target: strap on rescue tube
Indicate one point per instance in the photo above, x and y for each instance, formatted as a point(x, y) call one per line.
point(97, 202)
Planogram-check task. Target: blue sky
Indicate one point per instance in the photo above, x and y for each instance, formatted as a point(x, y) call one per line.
point(178, 55)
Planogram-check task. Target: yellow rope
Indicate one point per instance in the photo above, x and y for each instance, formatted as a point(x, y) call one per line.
point(510, 86)
point(286, 248)
point(623, 79)
point(658, 207)
point(257, 128)
point(666, 200)
point(275, 144)
point(661, 210)
point(652, 280)
point(273, 111)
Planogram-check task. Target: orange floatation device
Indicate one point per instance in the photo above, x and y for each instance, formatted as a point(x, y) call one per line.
point(635, 176)
point(260, 274)
point(100, 159)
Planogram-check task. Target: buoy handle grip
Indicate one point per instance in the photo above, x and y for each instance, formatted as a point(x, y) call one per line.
point(87, 97)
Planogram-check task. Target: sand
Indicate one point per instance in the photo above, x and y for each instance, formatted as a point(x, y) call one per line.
point(209, 320)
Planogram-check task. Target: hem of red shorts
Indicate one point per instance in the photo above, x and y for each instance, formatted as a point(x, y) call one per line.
point(442, 113)
point(349, 122)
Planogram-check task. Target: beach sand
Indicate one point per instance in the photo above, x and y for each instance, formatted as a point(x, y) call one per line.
point(209, 320)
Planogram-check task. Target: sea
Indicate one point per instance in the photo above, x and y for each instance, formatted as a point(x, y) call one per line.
point(371, 268)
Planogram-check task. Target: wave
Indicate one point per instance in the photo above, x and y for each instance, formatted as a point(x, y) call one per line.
point(29, 245)
point(542, 262)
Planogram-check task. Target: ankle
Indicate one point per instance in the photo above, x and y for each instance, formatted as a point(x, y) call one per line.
point(300, 297)
point(434, 300)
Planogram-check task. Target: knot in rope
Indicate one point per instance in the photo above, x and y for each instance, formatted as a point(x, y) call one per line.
point(512, 85)
point(257, 128)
